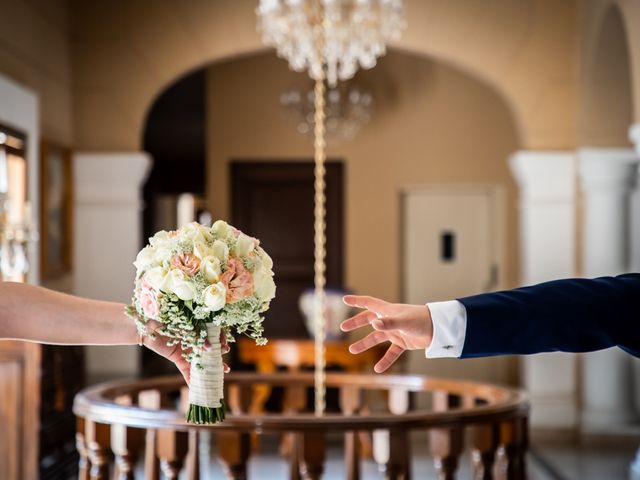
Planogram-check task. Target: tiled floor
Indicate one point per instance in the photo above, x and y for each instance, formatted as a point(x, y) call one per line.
point(583, 463)
point(545, 463)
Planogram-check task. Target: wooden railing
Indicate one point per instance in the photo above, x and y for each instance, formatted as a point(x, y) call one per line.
point(120, 420)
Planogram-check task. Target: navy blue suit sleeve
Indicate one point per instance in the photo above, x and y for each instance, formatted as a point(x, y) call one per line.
point(573, 315)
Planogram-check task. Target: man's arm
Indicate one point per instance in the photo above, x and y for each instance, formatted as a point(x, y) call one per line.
point(573, 315)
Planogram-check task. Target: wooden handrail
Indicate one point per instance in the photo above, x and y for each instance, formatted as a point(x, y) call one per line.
point(499, 403)
point(114, 416)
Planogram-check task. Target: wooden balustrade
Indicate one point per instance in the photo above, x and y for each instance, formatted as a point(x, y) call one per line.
point(117, 421)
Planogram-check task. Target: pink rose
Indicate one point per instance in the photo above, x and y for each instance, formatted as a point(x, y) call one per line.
point(148, 301)
point(187, 262)
point(238, 280)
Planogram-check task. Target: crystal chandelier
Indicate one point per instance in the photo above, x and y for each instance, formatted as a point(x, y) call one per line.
point(354, 33)
point(347, 110)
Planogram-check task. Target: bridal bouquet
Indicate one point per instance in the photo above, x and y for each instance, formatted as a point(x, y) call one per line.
point(196, 282)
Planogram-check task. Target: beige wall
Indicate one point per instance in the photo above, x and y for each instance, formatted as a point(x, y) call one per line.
point(35, 51)
point(432, 124)
point(610, 67)
point(126, 53)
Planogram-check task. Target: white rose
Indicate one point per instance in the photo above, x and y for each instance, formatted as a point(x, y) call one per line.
point(264, 286)
point(211, 269)
point(245, 245)
point(162, 254)
point(155, 277)
point(177, 282)
point(267, 262)
point(202, 250)
point(194, 232)
point(145, 258)
point(221, 250)
point(162, 237)
point(221, 229)
point(214, 297)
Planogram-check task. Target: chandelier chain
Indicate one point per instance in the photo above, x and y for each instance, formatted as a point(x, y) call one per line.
point(319, 235)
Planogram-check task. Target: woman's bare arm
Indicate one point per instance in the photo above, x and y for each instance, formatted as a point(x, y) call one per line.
point(36, 314)
point(32, 313)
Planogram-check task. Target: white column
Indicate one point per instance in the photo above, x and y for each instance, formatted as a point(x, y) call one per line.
point(547, 251)
point(107, 237)
point(634, 136)
point(607, 178)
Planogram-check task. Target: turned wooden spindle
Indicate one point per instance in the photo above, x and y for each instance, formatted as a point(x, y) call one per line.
point(446, 444)
point(391, 449)
point(151, 399)
point(350, 403)
point(294, 401)
point(238, 399)
point(234, 449)
point(485, 440)
point(125, 444)
point(97, 437)
point(193, 456)
point(514, 437)
point(312, 453)
point(172, 450)
point(83, 452)
point(192, 462)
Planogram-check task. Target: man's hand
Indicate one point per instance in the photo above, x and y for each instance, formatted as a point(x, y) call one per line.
point(407, 327)
point(174, 353)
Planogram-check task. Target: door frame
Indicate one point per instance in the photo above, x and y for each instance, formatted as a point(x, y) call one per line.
point(497, 194)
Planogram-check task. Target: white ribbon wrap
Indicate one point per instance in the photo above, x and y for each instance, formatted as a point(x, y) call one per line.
point(206, 386)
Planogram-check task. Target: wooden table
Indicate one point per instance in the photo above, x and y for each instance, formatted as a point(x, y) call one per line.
point(295, 354)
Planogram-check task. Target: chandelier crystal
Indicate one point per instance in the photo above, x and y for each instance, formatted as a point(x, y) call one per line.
point(347, 109)
point(353, 33)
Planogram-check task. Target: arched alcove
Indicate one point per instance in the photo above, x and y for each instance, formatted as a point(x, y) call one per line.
point(524, 56)
point(607, 100)
point(432, 124)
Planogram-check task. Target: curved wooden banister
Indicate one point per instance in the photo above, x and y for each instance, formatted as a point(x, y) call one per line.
point(493, 416)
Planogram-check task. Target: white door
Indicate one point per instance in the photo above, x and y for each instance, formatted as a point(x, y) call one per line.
point(453, 246)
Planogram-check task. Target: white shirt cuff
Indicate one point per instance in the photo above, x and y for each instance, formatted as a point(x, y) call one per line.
point(449, 328)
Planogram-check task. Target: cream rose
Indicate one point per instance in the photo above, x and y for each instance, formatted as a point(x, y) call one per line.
point(194, 232)
point(145, 258)
point(245, 245)
point(264, 286)
point(214, 297)
point(210, 268)
point(162, 237)
point(220, 250)
point(221, 229)
point(265, 259)
point(155, 277)
point(177, 282)
point(202, 250)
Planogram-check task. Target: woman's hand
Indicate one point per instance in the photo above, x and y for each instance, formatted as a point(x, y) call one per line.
point(174, 353)
point(407, 327)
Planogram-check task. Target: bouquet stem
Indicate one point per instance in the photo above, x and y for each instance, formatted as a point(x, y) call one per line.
point(206, 397)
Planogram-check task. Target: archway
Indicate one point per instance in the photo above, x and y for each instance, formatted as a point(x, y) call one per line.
point(432, 124)
point(118, 77)
point(607, 100)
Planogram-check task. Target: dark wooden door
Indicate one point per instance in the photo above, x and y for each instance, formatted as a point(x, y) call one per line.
point(274, 202)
